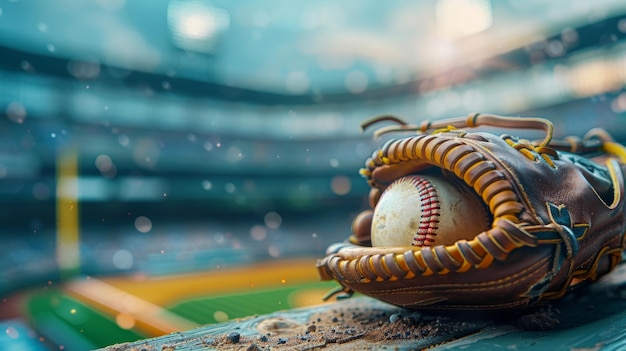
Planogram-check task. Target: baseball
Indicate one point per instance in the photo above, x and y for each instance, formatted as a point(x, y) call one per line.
point(427, 210)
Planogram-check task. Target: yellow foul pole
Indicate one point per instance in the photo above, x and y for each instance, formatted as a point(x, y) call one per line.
point(67, 211)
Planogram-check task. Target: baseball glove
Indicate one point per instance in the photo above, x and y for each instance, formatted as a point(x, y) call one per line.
point(557, 211)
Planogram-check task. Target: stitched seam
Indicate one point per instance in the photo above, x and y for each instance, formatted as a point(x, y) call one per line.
point(430, 211)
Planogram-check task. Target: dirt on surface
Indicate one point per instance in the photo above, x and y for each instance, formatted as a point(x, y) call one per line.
point(347, 325)
point(337, 327)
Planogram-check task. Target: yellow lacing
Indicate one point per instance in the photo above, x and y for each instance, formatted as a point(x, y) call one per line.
point(444, 130)
point(615, 149)
point(608, 144)
point(531, 152)
point(525, 149)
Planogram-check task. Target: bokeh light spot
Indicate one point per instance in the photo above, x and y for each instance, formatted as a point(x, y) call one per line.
point(273, 220)
point(123, 259)
point(273, 251)
point(143, 224)
point(41, 191)
point(12, 333)
point(104, 163)
point(16, 112)
point(207, 185)
point(258, 233)
point(230, 188)
point(124, 140)
point(340, 185)
point(125, 321)
point(220, 316)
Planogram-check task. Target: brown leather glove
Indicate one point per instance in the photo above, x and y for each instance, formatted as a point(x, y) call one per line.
point(557, 209)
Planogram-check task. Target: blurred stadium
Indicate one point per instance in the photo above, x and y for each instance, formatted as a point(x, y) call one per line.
point(170, 163)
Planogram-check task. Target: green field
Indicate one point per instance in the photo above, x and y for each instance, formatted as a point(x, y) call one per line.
point(205, 310)
point(74, 325)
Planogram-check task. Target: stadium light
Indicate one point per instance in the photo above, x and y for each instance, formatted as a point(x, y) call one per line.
point(196, 25)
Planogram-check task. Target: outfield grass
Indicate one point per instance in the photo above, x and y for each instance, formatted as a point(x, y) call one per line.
point(215, 309)
point(72, 324)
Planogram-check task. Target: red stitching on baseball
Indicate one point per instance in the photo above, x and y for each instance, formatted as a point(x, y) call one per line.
point(429, 218)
